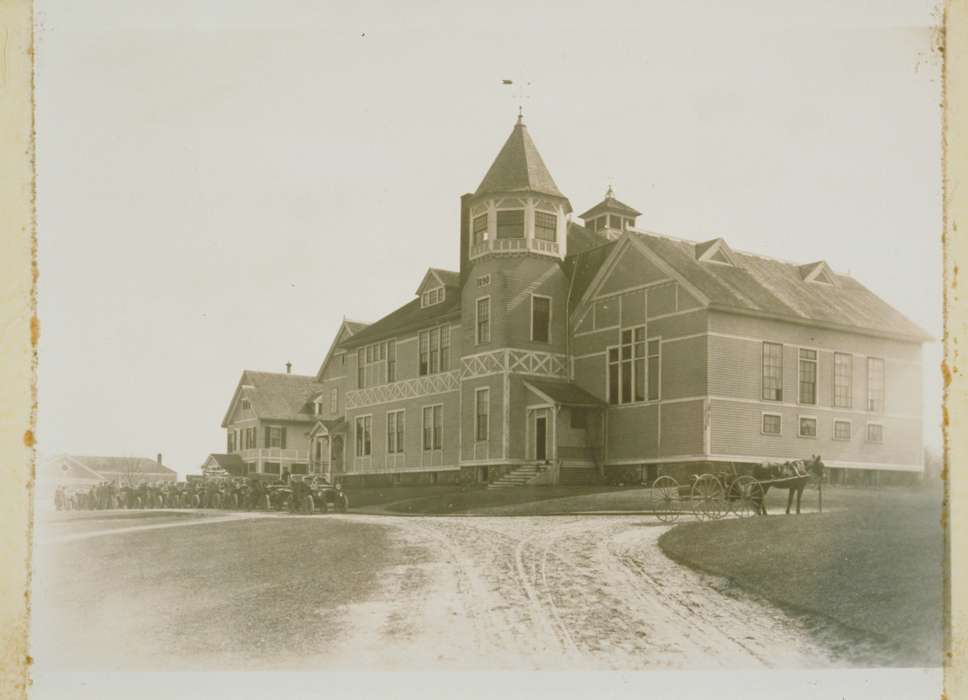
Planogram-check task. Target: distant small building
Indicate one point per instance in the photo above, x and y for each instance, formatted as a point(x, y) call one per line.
point(77, 472)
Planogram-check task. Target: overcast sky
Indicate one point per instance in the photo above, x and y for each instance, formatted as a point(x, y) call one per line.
point(220, 183)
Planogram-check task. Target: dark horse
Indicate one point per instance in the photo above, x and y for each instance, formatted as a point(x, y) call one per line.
point(792, 476)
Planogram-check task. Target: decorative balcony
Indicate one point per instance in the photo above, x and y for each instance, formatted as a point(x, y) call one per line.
point(514, 245)
point(274, 454)
point(416, 387)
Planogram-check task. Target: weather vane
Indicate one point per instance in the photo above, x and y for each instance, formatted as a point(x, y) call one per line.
point(519, 93)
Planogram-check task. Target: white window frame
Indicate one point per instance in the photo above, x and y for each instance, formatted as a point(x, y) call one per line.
point(850, 430)
point(658, 374)
point(246, 404)
point(550, 305)
point(423, 427)
point(883, 405)
point(432, 297)
point(356, 442)
point(850, 380)
point(632, 360)
point(484, 280)
point(867, 433)
point(487, 436)
point(763, 414)
point(816, 426)
point(763, 345)
point(477, 320)
point(816, 375)
point(399, 446)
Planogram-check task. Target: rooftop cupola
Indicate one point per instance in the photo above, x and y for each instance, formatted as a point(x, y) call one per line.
point(518, 208)
point(610, 217)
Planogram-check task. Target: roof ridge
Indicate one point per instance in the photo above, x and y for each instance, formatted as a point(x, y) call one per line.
point(281, 374)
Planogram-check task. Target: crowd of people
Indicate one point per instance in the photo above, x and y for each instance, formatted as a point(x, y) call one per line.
point(233, 493)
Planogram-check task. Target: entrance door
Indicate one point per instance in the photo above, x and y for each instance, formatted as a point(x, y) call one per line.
point(540, 438)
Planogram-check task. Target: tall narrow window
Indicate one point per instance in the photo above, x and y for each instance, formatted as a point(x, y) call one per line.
point(424, 353)
point(391, 361)
point(395, 431)
point(435, 351)
point(444, 348)
point(772, 372)
point(627, 368)
point(334, 401)
point(360, 368)
point(653, 370)
point(364, 444)
point(808, 376)
point(843, 371)
point(613, 375)
point(540, 319)
point(438, 427)
point(510, 224)
point(433, 427)
point(482, 412)
point(483, 320)
point(545, 226)
point(875, 384)
point(480, 229)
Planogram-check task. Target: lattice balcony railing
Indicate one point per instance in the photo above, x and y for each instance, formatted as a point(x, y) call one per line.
point(404, 389)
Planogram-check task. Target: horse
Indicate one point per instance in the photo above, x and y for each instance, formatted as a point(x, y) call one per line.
point(795, 476)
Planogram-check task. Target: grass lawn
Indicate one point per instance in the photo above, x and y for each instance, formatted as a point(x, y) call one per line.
point(874, 565)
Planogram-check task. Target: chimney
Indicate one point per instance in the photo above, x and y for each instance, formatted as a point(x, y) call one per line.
point(288, 368)
point(159, 458)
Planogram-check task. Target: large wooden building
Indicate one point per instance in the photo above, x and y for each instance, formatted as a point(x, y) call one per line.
point(564, 352)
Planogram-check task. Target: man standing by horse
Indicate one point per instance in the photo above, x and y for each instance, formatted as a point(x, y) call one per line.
point(792, 476)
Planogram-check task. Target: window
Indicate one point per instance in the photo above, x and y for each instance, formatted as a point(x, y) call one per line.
point(434, 350)
point(395, 431)
point(483, 320)
point(841, 430)
point(298, 468)
point(808, 426)
point(479, 229)
point(270, 467)
point(248, 438)
point(484, 280)
point(875, 432)
point(510, 224)
point(772, 372)
point(432, 297)
point(364, 425)
point(433, 427)
point(360, 367)
point(627, 377)
point(482, 400)
point(545, 226)
point(230, 446)
point(875, 385)
point(246, 405)
point(615, 222)
point(808, 376)
point(843, 375)
point(540, 319)
point(653, 374)
point(275, 437)
point(376, 364)
point(772, 423)
point(391, 361)
point(334, 400)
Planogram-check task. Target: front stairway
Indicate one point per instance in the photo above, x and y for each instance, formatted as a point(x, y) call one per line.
point(521, 476)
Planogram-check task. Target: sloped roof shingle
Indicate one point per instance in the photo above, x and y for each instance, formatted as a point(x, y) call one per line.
point(408, 317)
point(519, 168)
point(279, 396)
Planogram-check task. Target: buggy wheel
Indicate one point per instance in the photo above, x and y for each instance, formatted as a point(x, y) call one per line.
point(666, 501)
point(745, 496)
point(708, 498)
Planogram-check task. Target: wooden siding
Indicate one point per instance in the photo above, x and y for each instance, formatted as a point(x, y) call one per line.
point(633, 433)
point(632, 269)
point(682, 428)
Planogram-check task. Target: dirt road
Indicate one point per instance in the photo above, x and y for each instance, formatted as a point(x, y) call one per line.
point(385, 592)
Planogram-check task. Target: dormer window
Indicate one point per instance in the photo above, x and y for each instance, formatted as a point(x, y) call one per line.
point(479, 229)
point(818, 272)
point(510, 223)
point(431, 297)
point(714, 251)
point(246, 404)
point(545, 226)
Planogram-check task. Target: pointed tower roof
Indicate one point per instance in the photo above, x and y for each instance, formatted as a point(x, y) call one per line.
point(610, 204)
point(519, 168)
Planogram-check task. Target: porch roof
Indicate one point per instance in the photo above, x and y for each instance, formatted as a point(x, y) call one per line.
point(564, 393)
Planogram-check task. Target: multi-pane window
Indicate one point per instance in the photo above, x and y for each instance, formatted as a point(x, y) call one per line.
point(808, 376)
point(545, 226)
point(432, 297)
point(364, 436)
point(772, 423)
point(334, 400)
point(875, 385)
point(248, 438)
point(275, 436)
point(484, 280)
point(627, 376)
point(396, 426)
point(482, 412)
point(841, 430)
point(434, 350)
point(540, 319)
point(653, 374)
point(433, 427)
point(875, 432)
point(246, 404)
point(808, 427)
point(615, 221)
point(479, 229)
point(772, 372)
point(843, 376)
point(376, 364)
point(483, 320)
point(510, 224)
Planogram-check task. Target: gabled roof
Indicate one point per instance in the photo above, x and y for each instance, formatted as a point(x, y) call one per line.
point(817, 272)
point(347, 329)
point(610, 204)
point(231, 463)
point(773, 288)
point(276, 396)
point(564, 393)
point(116, 465)
point(716, 251)
point(437, 277)
point(582, 268)
point(581, 239)
point(519, 168)
point(409, 317)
